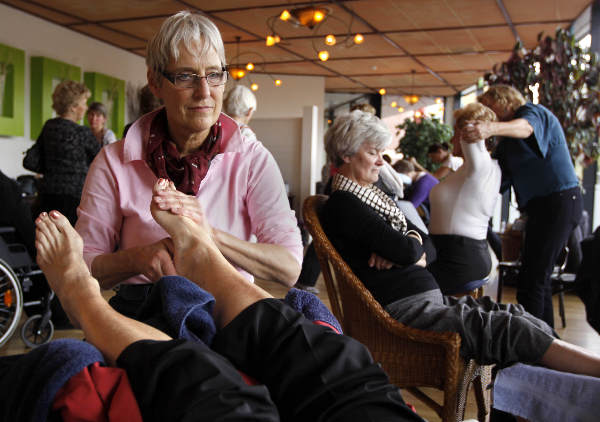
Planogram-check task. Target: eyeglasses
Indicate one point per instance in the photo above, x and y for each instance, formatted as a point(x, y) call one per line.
point(186, 80)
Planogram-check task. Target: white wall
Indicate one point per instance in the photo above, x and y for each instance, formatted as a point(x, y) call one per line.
point(283, 138)
point(278, 123)
point(41, 38)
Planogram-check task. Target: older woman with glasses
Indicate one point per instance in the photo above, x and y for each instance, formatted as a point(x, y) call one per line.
point(220, 177)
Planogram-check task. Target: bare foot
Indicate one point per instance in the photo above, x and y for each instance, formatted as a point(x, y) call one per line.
point(60, 256)
point(190, 237)
point(198, 258)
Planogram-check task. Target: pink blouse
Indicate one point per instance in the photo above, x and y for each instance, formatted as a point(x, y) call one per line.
point(242, 194)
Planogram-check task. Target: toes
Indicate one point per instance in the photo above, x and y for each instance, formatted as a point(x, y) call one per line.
point(160, 185)
point(46, 225)
point(61, 222)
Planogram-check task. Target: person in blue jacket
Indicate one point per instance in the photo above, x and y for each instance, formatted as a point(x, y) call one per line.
point(535, 160)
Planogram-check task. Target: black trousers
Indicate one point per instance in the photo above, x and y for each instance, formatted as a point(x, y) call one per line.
point(310, 267)
point(550, 221)
point(306, 373)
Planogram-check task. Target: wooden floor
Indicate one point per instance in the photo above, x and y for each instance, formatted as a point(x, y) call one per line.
point(577, 332)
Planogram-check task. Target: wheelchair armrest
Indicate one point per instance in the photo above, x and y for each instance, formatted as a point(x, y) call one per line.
point(7, 229)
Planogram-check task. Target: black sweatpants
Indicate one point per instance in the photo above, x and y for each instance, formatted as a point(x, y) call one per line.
point(306, 373)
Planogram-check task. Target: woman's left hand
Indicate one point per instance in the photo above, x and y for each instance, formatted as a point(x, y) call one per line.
point(476, 130)
point(379, 262)
point(179, 203)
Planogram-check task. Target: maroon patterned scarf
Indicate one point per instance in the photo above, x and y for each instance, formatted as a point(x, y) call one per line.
point(165, 161)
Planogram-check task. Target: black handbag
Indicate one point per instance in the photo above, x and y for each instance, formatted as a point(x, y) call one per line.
point(34, 159)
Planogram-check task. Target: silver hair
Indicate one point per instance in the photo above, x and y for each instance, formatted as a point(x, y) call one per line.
point(238, 101)
point(186, 27)
point(350, 131)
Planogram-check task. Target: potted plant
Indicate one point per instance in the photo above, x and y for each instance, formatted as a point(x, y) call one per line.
point(567, 79)
point(419, 135)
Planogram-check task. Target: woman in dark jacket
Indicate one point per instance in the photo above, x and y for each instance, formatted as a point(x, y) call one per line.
point(68, 149)
point(390, 257)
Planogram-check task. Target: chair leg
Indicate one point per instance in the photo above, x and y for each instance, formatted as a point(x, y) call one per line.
point(561, 308)
point(500, 285)
point(483, 394)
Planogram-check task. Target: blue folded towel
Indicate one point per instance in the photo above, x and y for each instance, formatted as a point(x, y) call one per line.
point(181, 309)
point(312, 307)
point(541, 394)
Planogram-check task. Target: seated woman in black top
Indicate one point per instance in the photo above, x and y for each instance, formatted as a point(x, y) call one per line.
point(361, 223)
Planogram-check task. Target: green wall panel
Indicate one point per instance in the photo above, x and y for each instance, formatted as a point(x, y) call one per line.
point(111, 92)
point(12, 91)
point(45, 75)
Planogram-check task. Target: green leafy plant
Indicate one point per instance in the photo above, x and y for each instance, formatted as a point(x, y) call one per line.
point(419, 135)
point(567, 78)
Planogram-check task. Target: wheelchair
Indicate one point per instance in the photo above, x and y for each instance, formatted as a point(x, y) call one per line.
point(17, 275)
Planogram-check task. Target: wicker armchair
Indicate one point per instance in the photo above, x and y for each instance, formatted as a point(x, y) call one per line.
point(411, 357)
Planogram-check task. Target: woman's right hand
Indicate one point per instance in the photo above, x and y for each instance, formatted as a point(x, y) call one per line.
point(422, 262)
point(154, 260)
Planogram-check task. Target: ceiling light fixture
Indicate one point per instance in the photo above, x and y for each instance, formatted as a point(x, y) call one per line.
point(238, 70)
point(330, 39)
point(382, 91)
point(411, 98)
point(312, 17)
point(323, 55)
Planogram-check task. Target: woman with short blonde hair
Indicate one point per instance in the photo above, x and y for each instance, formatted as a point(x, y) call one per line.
point(461, 207)
point(67, 94)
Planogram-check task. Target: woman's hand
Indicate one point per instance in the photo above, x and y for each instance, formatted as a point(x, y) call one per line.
point(379, 262)
point(154, 260)
point(415, 235)
point(422, 262)
point(181, 204)
point(475, 131)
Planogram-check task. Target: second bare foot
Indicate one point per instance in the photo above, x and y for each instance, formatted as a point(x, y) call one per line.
point(60, 256)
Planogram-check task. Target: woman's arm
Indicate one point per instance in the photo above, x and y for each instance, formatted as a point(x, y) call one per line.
point(361, 225)
point(476, 157)
point(273, 222)
point(153, 261)
point(477, 130)
point(442, 172)
point(263, 260)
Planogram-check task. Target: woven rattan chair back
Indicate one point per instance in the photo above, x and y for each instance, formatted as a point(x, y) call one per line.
point(411, 357)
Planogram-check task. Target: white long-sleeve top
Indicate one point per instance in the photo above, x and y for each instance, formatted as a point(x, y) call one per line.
point(463, 202)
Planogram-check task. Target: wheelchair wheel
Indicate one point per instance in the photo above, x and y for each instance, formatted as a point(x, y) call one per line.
point(11, 302)
point(33, 334)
